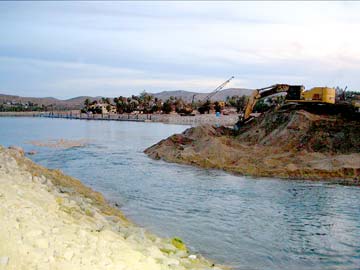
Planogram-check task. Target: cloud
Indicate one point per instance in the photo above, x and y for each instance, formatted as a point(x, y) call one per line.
point(70, 48)
point(73, 78)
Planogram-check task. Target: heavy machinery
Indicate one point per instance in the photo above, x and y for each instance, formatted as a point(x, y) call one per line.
point(187, 111)
point(356, 103)
point(218, 89)
point(294, 93)
point(207, 100)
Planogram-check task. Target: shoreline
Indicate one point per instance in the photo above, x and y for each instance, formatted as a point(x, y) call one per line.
point(277, 145)
point(201, 119)
point(51, 220)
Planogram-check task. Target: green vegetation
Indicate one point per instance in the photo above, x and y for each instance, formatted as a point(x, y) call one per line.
point(22, 107)
point(166, 107)
point(143, 103)
point(238, 102)
point(178, 243)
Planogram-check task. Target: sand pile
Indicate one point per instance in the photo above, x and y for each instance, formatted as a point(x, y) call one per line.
point(304, 130)
point(51, 221)
point(289, 144)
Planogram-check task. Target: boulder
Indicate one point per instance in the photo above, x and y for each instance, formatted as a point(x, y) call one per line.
point(18, 149)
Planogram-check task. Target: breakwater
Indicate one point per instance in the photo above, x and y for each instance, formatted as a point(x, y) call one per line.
point(196, 120)
point(52, 221)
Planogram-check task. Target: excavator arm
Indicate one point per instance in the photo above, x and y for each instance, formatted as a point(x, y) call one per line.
point(261, 93)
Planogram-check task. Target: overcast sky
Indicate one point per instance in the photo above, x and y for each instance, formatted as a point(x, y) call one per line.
point(67, 49)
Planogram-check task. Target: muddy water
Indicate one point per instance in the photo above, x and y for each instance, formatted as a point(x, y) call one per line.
point(247, 223)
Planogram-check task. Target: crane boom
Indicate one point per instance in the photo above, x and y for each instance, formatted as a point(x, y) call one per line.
point(218, 89)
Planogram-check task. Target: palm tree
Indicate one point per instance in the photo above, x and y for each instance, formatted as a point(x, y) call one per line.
point(166, 107)
point(87, 103)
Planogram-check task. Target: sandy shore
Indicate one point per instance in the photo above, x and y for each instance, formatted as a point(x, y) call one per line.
point(51, 221)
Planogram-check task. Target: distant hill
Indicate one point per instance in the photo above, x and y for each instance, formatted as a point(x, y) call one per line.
point(187, 96)
point(71, 104)
point(77, 103)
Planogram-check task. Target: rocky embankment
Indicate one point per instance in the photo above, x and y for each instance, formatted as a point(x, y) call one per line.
point(286, 144)
point(51, 221)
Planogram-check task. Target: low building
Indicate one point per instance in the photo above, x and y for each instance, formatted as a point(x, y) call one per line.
point(103, 108)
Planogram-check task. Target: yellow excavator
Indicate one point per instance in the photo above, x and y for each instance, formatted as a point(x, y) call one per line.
point(294, 93)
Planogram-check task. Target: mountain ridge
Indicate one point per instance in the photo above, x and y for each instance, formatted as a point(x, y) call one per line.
point(78, 102)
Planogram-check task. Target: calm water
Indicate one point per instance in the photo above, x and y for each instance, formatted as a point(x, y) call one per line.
point(243, 222)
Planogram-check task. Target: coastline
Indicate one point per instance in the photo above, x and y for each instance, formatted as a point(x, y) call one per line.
point(280, 145)
point(19, 114)
point(201, 119)
point(51, 220)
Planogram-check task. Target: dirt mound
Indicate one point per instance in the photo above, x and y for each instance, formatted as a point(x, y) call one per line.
point(303, 130)
point(291, 144)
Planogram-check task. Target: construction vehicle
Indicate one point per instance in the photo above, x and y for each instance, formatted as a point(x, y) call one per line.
point(187, 109)
point(207, 100)
point(355, 102)
point(294, 94)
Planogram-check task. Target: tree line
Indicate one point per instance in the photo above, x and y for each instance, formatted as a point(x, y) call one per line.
point(148, 104)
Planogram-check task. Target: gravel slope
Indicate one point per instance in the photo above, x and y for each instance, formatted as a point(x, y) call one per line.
point(51, 221)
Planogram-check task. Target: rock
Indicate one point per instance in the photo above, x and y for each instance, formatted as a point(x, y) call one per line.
point(99, 227)
point(192, 257)
point(181, 253)
point(4, 260)
point(43, 180)
point(171, 261)
point(17, 148)
point(68, 255)
point(32, 152)
point(42, 243)
point(34, 233)
point(169, 247)
point(36, 179)
point(291, 167)
point(155, 252)
point(38, 235)
point(66, 190)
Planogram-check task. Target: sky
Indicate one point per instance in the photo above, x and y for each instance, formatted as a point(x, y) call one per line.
point(68, 49)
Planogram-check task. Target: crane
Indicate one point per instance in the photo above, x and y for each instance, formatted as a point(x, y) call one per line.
point(206, 101)
point(218, 89)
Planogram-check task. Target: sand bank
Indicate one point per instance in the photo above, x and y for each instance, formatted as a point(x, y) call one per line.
point(290, 145)
point(60, 143)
